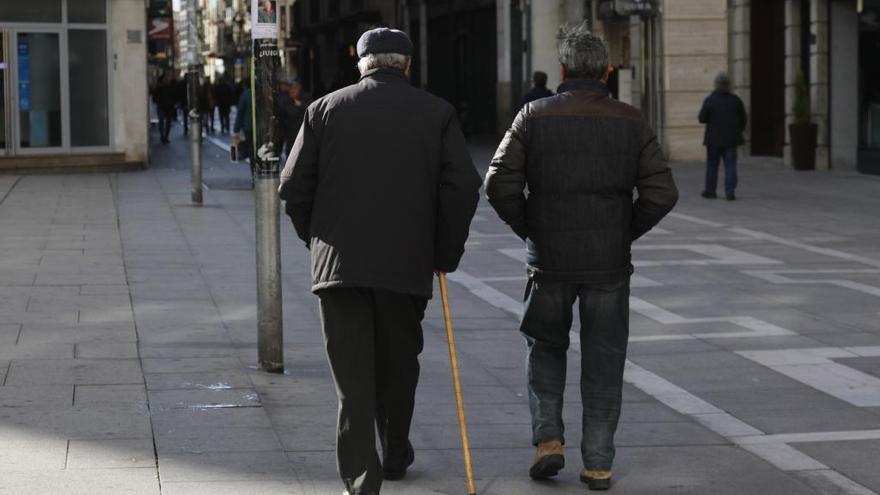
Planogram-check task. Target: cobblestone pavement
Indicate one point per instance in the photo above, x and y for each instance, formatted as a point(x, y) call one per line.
point(127, 345)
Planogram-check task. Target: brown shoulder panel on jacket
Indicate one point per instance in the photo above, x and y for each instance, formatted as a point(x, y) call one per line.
point(583, 104)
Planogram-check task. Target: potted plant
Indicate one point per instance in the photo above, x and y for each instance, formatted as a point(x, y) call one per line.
point(802, 131)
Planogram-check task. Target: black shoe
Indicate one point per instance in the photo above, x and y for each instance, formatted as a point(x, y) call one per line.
point(731, 197)
point(708, 195)
point(397, 473)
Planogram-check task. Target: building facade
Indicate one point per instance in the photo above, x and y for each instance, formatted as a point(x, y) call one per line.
point(479, 55)
point(671, 50)
point(73, 85)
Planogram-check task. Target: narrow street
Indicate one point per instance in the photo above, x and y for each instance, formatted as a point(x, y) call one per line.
point(128, 344)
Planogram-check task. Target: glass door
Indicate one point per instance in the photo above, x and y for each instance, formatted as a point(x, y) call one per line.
point(37, 113)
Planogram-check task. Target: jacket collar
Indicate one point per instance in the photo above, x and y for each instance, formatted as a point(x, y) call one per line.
point(385, 74)
point(590, 85)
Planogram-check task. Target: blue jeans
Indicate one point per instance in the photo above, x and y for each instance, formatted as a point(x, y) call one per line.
point(714, 155)
point(604, 314)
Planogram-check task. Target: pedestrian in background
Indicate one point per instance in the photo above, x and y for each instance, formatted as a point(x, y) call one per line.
point(539, 89)
point(243, 130)
point(206, 106)
point(381, 188)
point(165, 100)
point(224, 97)
point(182, 104)
point(580, 155)
point(291, 112)
point(725, 117)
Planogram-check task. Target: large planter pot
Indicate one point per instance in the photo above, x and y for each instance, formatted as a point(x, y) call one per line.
point(803, 145)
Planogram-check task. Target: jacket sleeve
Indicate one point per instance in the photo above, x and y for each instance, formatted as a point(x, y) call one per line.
point(457, 199)
point(656, 189)
point(506, 179)
point(299, 180)
point(741, 111)
point(705, 112)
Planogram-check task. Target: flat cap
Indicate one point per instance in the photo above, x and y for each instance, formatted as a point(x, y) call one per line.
point(384, 40)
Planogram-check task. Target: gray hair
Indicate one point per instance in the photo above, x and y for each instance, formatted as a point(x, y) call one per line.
point(582, 54)
point(722, 82)
point(382, 61)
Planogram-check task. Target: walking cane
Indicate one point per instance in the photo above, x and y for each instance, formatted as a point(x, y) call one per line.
point(459, 402)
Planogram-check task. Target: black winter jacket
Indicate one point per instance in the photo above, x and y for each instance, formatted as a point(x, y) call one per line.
point(580, 154)
point(381, 187)
point(725, 119)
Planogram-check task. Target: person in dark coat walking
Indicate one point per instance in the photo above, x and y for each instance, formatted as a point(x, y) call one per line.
point(291, 112)
point(165, 99)
point(206, 106)
point(381, 188)
point(243, 130)
point(580, 155)
point(224, 98)
point(725, 117)
point(539, 80)
point(182, 104)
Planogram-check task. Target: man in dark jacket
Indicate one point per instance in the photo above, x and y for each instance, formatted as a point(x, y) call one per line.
point(725, 117)
point(539, 80)
point(164, 97)
point(580, 155)
point(381, 188)
point(291, 111)
point(224, 98)
point(243, 130)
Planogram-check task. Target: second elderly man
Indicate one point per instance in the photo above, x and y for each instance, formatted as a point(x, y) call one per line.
point(381, 187)
point(579, 156)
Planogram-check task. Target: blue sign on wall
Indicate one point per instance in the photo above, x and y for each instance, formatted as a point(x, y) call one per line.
point(24, 76)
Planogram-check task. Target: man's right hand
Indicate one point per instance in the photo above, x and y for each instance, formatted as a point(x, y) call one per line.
point(236, 138)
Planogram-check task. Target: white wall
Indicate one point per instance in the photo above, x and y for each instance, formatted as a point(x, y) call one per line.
point(844, 84)
point(128, 69)
point(547, 16)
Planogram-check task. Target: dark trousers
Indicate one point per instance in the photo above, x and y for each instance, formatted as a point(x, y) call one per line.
point(373, 338)
point(604, 313)
point(165, 118)
point(224, 119)
point(208, 120)
point(714, 155)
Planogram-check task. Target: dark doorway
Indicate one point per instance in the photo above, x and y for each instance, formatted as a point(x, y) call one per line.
point(869, 88)
point(462, 62)
point(768, 77)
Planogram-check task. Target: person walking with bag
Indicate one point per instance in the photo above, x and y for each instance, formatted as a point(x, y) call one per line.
point(381, 188)
point(580, 155)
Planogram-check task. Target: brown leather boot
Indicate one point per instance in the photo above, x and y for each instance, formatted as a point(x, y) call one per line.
point(549, 459)
point(596, 480)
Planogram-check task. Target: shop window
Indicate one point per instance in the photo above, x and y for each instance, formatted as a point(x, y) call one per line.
point(30, 10)
point(89, 112)
point(87, 11)
point(39, 90)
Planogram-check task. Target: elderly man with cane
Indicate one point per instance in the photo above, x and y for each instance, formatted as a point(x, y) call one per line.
point(381, 187)
point(580, 155)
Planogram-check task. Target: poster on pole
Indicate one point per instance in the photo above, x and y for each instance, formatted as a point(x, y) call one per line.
point(267, 136)
point(264, 19)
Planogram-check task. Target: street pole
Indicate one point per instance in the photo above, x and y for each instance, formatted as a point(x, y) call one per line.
point(264, 68)
point(192, 91)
